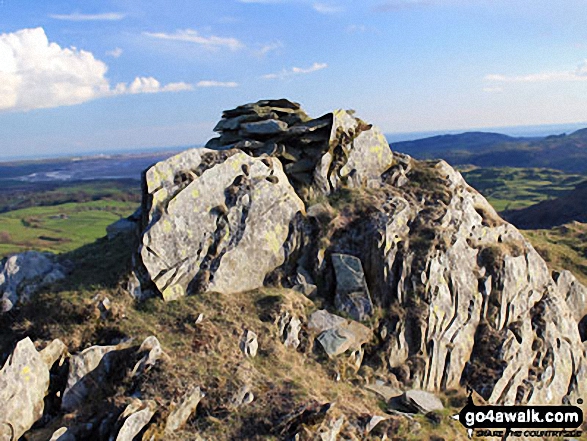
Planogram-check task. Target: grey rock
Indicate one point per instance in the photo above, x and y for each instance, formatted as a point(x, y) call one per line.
point(289, 329)
point(136, 416)
point(249, 344)
point(322, 320)
point(292, 332)
point(184, 410)
point(349, 335)
point(352, 293)
point(192, 243)
point(374, 421)
point(134, 288)
point(267, 127)
point(573, 292)
point(88, 371)
point(366, 155)
point(91, 369)
point(151, 348)
point(416, 401)
point(22, 275)
point(385, 391)
point(24, 383)
point(243, 396)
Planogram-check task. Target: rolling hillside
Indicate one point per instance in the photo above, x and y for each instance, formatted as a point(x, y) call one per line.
point(562, 152)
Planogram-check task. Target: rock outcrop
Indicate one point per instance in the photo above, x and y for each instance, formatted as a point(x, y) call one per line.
point(22, 275)
point(265, 203)
point(24, 383)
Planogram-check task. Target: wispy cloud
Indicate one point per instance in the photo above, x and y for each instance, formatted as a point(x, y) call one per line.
point(579, 74)
point(356, 29)
point(114, 53)
point(76, 16)
point(212, 42)
point(398, 5)
point(296, 71)
point(329, 9)
point(361, 29)
point(212, 83)
point(268, 48)
point(38, 74)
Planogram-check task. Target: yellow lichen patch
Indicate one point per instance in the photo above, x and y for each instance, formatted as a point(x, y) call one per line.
point(167, 227)
point(195, 193)
point(26, 373)
point(173, 292)
point(273, 238)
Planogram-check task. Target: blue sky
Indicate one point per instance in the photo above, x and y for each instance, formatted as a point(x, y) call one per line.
point(81, 76)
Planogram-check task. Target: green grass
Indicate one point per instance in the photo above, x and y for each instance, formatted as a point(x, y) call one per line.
point(563, 247)
point(60, 228)
point(508, 188)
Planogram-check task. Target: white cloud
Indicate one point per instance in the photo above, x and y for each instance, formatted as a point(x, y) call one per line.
point(76, 16)
point(579, 74)
point(398, 5)
point(114, 53)
point(352, 29)
point(264, 50)
point(212, 42)
point(296, 71)
point(149, 85)
point(324, 8)
point(216, 84)
point(36, 74)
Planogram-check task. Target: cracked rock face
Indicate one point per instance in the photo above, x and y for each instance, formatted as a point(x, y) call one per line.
point(467, 299)
point(203, 232)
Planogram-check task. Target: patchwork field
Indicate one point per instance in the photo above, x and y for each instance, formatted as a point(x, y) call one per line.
point(509, 188)
point(59, 228)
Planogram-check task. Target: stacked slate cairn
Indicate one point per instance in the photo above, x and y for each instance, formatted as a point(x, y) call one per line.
point(313, 151)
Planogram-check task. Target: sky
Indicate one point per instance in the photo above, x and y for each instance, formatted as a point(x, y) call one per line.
point(93, 76)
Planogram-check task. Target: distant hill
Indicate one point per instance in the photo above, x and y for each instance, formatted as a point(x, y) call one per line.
point(547, 214)
point(562, 152)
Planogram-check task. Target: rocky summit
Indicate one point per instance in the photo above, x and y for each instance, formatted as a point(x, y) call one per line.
point(327, 272)
point(452, 280)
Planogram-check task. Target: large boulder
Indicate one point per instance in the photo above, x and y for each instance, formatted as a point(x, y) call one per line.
point(24, 383)
point(22, 275)
point(203, 232)
point(337, 335)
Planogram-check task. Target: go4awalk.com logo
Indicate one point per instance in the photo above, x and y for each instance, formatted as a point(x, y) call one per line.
point(521, 421)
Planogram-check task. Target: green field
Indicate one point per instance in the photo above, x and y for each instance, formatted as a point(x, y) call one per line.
point(15, 195)
point(563, 247)
point(508, 188)
point(59, 228)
